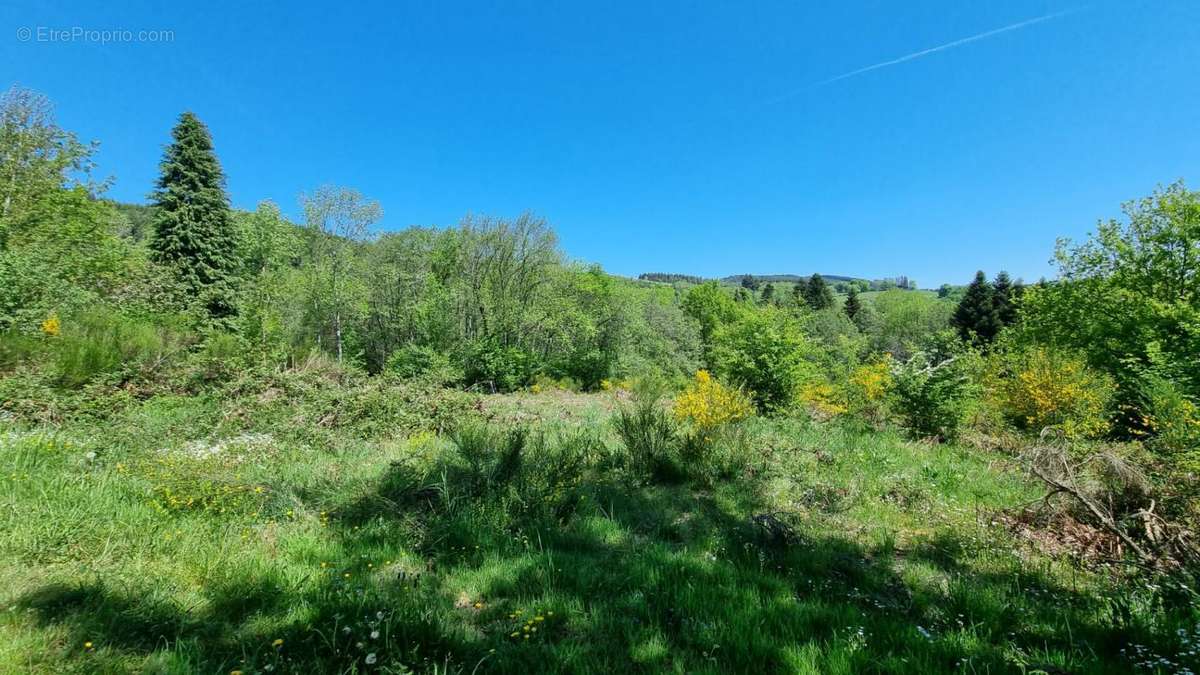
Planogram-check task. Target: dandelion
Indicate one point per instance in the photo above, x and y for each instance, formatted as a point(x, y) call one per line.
point(374, 635)
point(370, 660)
point(87, 645)
point(278, 643)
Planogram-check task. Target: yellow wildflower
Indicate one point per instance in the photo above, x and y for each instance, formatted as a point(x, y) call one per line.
point(51, 326)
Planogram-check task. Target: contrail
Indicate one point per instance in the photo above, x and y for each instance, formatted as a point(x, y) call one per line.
point(931, 50)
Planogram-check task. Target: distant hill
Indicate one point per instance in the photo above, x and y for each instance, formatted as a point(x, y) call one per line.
point(841, 280)
point(786, 278)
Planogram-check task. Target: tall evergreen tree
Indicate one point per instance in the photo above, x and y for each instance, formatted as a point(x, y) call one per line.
point(853, 305)
point(1005, 297)
point(768, 294)
point(193, 229)
point(818, 294)
point(800, 292)
point(749, 283)
point(976, 317)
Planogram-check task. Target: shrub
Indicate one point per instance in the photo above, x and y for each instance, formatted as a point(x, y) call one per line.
point(544, 382)
point(493, 456)
point(501, 368)
point(707, 405)
point(649, 435)
point(1039, 387)
point(933, 393)
point(823, 398)
point(868, 387)
point(764, 351)
point(412, 361)
point(1172, 423)
point(105, 344)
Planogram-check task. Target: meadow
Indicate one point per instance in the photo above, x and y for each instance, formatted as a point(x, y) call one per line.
point(269, 527)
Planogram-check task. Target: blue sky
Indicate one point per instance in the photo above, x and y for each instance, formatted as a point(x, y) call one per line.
point(690, 137)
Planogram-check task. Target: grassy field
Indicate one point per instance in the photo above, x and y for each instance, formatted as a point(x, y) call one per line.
point(270, 529)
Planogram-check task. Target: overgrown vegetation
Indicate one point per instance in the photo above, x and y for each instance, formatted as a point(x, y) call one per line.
point(231, 443)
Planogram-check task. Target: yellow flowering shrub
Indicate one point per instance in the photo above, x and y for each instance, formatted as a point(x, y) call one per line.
point(867, 389)
point(1044, 388)
point(823, 398)
point(872, 381)
point(51, 326)
point(707, 404)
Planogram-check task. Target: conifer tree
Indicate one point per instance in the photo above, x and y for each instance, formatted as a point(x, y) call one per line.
point(818, 294)
point(193, 228)
point(853, 305)
point(1005, 297)
point(975, 317)
point(768, 294)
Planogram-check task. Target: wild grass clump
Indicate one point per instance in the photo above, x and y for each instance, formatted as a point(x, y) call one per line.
point(104, 344)
point(649, 435)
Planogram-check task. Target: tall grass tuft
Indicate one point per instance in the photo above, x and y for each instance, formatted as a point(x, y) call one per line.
point(99, 343)
point(649, 435)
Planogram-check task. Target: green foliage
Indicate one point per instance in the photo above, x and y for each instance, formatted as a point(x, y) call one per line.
point(194, 232)
point(852, 306)
point(933, 392)
point(499, 368)
point(765, 352)
point(896, 322)
point(711, 306)
point(1036, 387)
point(649, 436)
point(977, 318)
point(1128, 299)
point(418, 361)
point(817, 293)
point(493, 457)
point(103, 343)
point(61, 256)
point(1171, 419)
point(38, 158)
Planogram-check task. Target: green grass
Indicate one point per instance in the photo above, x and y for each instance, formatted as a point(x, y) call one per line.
point(188, 534)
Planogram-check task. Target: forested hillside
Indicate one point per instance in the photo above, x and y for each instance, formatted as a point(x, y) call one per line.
point(234, 443)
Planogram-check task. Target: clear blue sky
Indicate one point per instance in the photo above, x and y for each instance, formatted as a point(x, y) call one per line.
point(678, 137)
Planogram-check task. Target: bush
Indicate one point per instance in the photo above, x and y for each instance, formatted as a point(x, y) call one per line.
point(1037, 387)
point(765, 352)
point(107, 344)
point(412, 361)
point(934, 392)
point(707, 405)
point(499, 368)
point(649, 436)
point(1172, 423)
point(493, 457)
point(867, 389)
